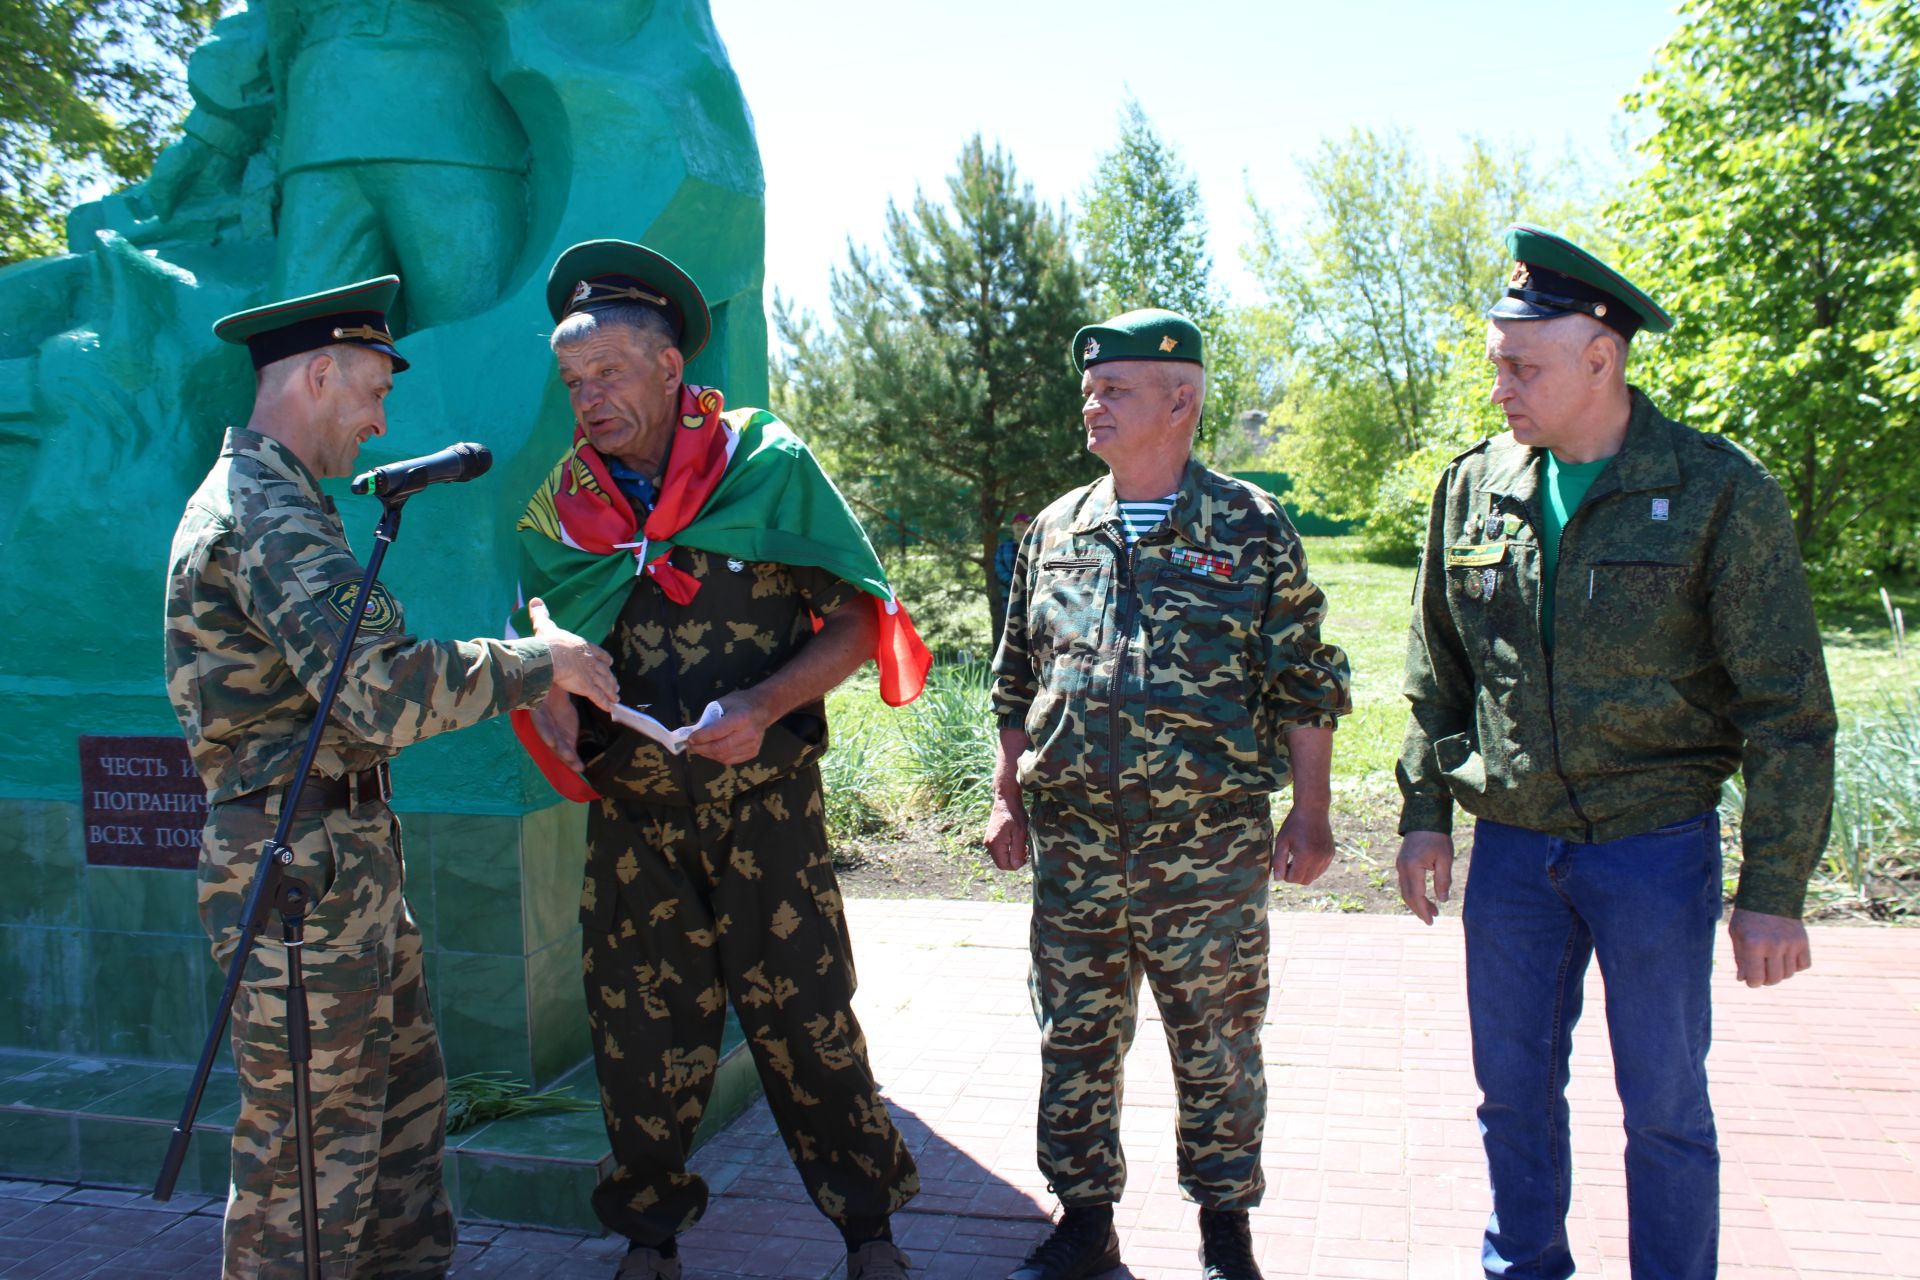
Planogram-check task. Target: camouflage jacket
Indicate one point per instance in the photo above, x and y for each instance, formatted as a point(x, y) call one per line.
point(258, 594)
point(748, 620)
point(1684, 647)
point(1155, 681)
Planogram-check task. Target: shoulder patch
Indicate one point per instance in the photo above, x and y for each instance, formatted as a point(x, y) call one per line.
point(382, 613)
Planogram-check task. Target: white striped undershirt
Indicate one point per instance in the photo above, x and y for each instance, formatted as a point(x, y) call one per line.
point(1144, 517)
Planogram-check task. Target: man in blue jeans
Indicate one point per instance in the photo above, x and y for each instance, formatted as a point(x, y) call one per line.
point(1611, 617)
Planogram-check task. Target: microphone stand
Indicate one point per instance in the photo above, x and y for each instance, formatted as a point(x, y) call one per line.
point(273, 887)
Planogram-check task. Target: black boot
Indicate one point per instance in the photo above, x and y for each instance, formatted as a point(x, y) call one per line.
point(1083, 1244)
point(1226, 1246)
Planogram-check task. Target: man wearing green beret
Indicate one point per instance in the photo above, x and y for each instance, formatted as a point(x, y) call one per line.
point(1611, 617)
point(1161, 675)
point(735, 589)
point(261, 586)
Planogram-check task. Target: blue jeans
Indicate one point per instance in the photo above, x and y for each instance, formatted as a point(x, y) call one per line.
point(1537, 908)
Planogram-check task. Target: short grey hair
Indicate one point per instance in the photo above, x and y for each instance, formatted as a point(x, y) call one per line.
point(645, 321)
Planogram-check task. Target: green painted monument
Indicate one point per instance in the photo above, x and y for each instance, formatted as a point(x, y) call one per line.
point(460, 144)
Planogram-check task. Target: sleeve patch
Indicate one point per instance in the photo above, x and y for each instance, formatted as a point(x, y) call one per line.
point(382, 614)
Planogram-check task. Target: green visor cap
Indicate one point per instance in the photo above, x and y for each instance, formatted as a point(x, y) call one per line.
point(600, 273)
point(1147, 334)
point(1554, 277)
point(353, 315)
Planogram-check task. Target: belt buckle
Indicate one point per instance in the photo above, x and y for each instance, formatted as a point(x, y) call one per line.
point(369, 786)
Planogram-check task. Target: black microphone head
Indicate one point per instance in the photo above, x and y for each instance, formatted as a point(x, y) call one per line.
point(479, 459)
point(364, 482)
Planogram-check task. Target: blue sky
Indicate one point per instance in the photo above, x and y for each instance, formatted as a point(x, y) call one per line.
point(859, 101)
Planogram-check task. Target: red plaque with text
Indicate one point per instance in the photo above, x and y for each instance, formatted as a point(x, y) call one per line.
point(144, 805)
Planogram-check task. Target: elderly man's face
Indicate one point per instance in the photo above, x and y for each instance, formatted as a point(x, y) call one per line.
point(622, 385)
point(1132, 410)
point(1542, 380)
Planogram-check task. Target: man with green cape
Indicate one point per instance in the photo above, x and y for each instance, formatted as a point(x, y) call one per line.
point(734, 589)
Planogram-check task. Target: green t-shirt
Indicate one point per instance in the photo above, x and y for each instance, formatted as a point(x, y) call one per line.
point(1567, 484)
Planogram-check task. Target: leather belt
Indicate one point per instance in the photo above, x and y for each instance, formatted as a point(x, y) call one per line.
point(324, 794)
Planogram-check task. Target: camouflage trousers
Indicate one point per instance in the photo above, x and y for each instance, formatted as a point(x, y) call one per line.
point(1183, 904)
point(686, 909)
point(379, 1087)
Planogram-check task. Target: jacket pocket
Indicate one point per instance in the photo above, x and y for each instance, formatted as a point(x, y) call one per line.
point(1066, 614)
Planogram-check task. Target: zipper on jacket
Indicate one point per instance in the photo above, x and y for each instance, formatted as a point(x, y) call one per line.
point(1123, 589)
point(1539, 626)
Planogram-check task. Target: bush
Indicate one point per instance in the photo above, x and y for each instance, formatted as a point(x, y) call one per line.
point(950, 738)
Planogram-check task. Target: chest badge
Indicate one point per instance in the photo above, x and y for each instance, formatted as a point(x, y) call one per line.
point(1489, 579)
point(736, 566)
point(1201, 562)
point(1659, 511)
point(1472, 586)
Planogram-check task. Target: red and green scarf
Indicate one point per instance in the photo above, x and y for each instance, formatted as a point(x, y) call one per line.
point(738, 484)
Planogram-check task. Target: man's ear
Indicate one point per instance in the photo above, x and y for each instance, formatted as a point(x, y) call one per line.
point(1602, 356)
point(321, 370)
point(674, 363)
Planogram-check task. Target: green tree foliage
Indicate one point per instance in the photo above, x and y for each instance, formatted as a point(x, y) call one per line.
point(1778, 216)
point(1143, 233)
point(942, 390)
point(92, 90)
point(1377, 303)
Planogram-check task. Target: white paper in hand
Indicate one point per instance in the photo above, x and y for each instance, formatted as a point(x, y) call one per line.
point(674, 740)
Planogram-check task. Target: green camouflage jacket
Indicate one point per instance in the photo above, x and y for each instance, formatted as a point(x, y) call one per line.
point(1157, 681)
point(1684, 647)
point(258, 593)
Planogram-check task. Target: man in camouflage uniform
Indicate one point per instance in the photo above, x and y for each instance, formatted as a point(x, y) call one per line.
point(1151, 695)
point(708, 874)
point(1610, 618)
point(261, 584)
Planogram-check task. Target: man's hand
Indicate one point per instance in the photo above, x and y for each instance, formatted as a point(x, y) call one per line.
point(1007, 834)
point(1424, 853)
point(736, 736)
point(1767, 949)
point(1303, 847)
point(557, 721)
point(578, 665)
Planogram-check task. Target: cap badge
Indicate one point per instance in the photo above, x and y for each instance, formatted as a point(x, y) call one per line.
point(1522, 277)
point(1093, 349)
point(1169, 342)
point(581, 292)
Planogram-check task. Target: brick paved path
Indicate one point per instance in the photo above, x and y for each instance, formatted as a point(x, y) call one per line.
point(1373, 1164)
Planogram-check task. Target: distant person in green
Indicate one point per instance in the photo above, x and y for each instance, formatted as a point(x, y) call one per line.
point(1160, 677)
point(1611, 617)
point(261, 586)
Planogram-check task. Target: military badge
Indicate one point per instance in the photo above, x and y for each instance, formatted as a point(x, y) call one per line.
point(1201, 562)
point(1522, 277)
point(1489, 579)
point(581, 292)
point(736, 566)
point(1472, 555)
point(1473, 585)
point(1659, 511)
point(381, 614)
point(1169, 343)
point(1092, 351)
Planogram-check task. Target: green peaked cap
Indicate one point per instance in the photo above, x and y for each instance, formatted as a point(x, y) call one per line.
point(599, 273)
point(350, 314)
point(1554, 277)
point(1147, 334)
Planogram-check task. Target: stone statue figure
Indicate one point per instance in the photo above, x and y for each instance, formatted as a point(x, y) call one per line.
point(459, 143)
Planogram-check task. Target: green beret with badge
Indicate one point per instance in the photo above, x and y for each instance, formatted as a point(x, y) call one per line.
point(1147, 334)
point(601, 273)
point(351, 315)
point(1553, 277)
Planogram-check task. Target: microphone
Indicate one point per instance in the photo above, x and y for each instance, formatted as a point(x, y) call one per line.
point(403, 479)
